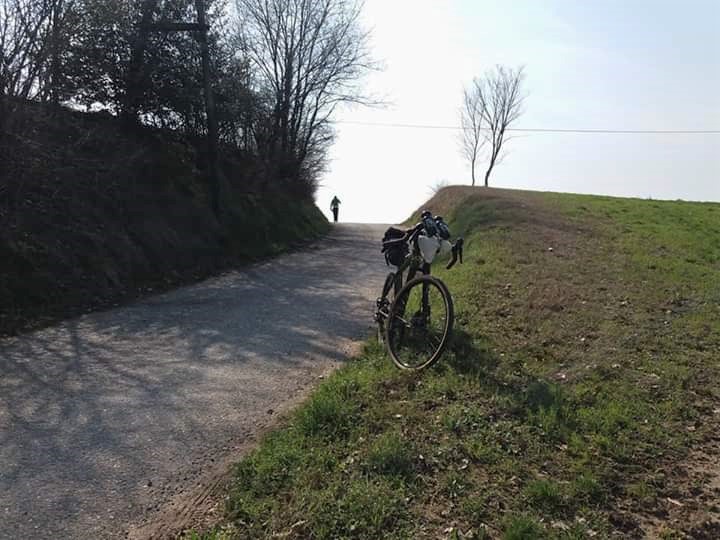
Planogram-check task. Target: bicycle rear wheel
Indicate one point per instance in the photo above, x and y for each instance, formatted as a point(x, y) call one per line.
point(383, 305)
point(419, 323)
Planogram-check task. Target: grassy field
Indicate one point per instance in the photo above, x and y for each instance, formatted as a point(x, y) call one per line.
point(579, 398)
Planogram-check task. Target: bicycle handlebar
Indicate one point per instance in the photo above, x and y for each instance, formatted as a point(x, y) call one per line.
point(457, 248)
point(457, 252)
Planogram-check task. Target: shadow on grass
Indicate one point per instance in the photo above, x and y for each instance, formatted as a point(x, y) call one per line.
point(534, 400)
point(468, 356)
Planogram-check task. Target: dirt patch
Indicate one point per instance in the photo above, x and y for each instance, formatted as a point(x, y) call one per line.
point(687, 501)
point(200, 504)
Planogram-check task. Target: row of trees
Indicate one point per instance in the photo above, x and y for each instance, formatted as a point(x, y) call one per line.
point(276, 70)
point(491, 104)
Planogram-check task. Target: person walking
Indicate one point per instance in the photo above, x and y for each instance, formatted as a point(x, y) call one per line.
point(335, 207)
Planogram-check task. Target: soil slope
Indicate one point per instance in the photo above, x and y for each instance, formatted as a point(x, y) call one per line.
point(93, 213)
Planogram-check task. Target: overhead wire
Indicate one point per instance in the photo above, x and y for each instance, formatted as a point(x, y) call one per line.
point(543, 130)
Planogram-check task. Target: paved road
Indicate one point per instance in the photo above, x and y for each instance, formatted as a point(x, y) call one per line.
point(108, 420)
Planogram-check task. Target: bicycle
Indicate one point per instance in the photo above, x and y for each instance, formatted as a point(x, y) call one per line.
point(415, 318)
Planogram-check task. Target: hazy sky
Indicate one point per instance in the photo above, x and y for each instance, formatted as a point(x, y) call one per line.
point(610, 64)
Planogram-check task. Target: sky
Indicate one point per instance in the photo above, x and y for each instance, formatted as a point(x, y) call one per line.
point(606, 64)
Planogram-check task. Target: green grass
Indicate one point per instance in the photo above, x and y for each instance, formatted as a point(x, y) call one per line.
point(522, 527)
point(391, 455)
point(573, 375)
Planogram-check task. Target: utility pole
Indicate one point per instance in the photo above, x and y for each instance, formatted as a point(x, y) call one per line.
point(55, 21)
point(135, 75)
point(212, 126)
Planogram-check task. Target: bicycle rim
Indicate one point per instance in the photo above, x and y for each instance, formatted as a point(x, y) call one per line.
point(387, 294)
point(419, 323)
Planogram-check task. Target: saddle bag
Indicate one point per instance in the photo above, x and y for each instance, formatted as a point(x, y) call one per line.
point(394, 247)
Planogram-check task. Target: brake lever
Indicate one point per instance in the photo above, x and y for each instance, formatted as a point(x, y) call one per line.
point(457, 253)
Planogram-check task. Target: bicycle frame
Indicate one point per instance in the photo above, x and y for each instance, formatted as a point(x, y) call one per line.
point(415, 263)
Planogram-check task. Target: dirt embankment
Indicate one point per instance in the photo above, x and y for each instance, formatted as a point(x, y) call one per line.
point(92, 214)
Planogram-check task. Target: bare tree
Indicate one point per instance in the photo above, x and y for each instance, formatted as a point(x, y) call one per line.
point(33, 34)
point(495, 102)
point(22, 52)
point(472, 138)
point(310, 55)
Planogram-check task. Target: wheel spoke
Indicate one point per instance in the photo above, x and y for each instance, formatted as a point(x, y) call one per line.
point(422, 318)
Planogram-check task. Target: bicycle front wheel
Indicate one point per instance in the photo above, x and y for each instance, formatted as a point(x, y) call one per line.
point(419, 323)
point(383, 305)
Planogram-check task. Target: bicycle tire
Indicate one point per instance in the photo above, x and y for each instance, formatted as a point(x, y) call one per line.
point(397, 312)
point(387, 287)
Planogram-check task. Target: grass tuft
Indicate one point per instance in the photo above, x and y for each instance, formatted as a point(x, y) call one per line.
point(391, 455)
point(545, 495)
point(522, 527)
point(362, 508)
point(330, 412)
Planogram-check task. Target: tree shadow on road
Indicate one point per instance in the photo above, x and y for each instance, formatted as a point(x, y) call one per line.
point(92, 409)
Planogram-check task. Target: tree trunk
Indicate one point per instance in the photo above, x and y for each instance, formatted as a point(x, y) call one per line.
point(493, 159)
point(212, 126)
point(473, 172)
point(132, 85)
